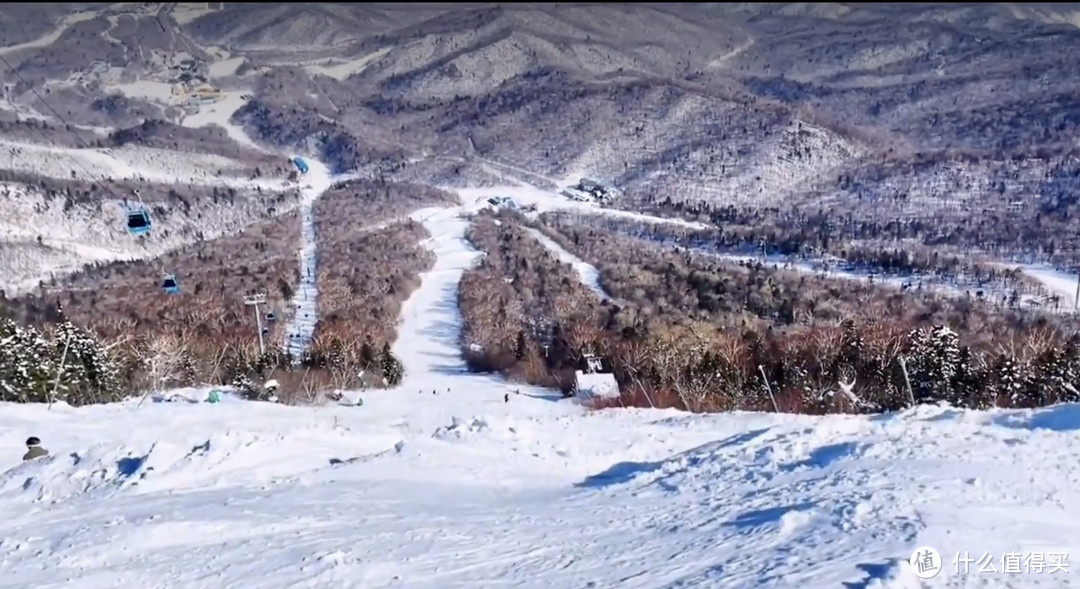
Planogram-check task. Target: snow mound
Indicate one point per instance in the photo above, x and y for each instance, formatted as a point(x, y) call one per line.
point(460, 429)
point(263, 459)
point(54, 479)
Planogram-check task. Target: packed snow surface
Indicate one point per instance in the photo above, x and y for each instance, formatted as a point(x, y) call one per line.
point(459, 480)
point(461, 489)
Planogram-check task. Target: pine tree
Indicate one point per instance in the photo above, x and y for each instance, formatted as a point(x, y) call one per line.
point(13, 380)
point(1052, 378)
point(367, 353)
point(243, 383)
point(27, 364)
point(391, 367)
point(934, 364)
point(969, 385)
point(1007, 381)
point(87, 372)
point(520, 347)
point(1070, 373)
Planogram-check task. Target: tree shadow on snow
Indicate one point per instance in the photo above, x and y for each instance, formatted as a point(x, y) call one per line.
point(553, 396)
point(617, 474)
point(768, 515)
point(1058, 418)
point(624, 472)
point(879, 572)
point(131, 464)
point(826, 455)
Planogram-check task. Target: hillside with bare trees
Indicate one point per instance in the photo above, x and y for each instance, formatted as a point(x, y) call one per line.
point(520, 304)
point(689, 331)
point(206, 334)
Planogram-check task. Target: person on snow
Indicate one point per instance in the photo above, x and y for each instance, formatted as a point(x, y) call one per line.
point(34, 449)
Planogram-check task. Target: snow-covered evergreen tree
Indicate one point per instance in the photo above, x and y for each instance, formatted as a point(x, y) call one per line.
point(391, 367)
point(934, 363)
point(88, 374)
point(1007, 381)
point(1053, 377)
point(27, 368)
point(245, 386)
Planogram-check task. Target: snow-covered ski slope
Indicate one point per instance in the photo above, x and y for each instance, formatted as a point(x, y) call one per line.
point(1058, 283)
point(588, 274)
point(459, 489)
point(458, 480)
point(298, 334)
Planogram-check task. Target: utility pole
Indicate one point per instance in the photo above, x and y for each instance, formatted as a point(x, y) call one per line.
point(1076, 300)
point(255, 301)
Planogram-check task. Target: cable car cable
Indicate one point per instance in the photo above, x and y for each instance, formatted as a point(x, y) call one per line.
point(74, 128)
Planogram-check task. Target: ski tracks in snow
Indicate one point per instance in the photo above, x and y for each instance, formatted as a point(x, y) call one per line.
point(299, 332)
point(630, 499)
point(428, 338)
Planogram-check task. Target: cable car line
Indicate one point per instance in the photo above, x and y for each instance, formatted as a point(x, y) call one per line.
point(138, 219)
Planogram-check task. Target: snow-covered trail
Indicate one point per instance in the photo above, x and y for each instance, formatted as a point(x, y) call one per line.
point(427, 342)
point(48, 39)
point(589, 275)
point(220, 114)
point(305, 316)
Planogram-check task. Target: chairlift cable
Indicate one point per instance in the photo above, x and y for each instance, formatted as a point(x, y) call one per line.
point(74, 129)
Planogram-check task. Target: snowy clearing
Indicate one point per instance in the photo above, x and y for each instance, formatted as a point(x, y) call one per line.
point(159, 92)
point(187, 12)
point(226, 67)
point(545, 200)
point(590, 276)
point(1062, 284)
point(146, 163)
point(342, 71)
point(220, 113)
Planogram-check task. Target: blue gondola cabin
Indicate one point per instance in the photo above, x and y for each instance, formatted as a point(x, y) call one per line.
point(300, 165)
point(170, 285)
point(138, 222)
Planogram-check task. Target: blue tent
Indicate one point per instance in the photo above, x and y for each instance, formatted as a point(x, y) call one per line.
point(301, 164)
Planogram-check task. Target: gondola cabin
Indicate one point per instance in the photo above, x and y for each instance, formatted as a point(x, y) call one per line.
point(271, 317)
point(170, 285)
point(300, 165)
point(138, 222)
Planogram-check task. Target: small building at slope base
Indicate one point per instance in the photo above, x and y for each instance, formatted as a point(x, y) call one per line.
point(594, 383)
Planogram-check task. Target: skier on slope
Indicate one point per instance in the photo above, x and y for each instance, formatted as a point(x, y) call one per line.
point(34, 449)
